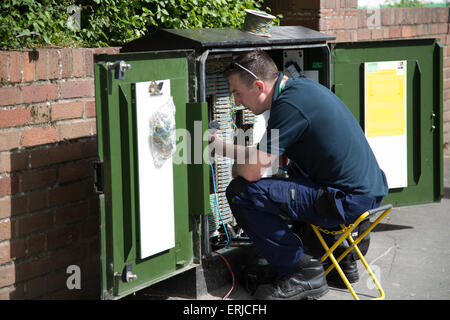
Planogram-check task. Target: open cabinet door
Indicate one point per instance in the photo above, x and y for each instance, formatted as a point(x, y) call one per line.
point(394, 89)
point(141, 98)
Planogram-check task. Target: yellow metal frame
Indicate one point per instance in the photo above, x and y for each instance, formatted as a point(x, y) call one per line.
point(346, 234)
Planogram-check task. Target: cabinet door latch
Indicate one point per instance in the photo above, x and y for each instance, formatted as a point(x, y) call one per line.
point(119, 68)
point(127, 274)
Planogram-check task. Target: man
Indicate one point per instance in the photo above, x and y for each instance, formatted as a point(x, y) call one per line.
point(316, 131)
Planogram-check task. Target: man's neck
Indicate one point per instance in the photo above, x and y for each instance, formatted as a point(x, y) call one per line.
point(271, 93)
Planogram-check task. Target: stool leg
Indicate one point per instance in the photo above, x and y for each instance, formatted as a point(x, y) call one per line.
point(353, 246)
point(335, 264)
point(368, 269)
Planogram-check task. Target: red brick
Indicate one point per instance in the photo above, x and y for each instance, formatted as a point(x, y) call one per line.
point(10, 96)
point(66, 152)
point(11, 250)
point(35, 179)
point(446, 84)
point(70, 255)
point(57, 280)
point(9, 185)
point(90, 109)
point(90, 148)
point(6, 232)
point(67, 110)
point(446, 73)
point(4, 73)
point(66, 63)
point(293, 5)
point(36, 222)
point(78, 62)
point(39, 92)
point(62, 237)
point(16, 292)
point(407, 32)
point(68, 193)
point(9, 140)
point(395, 32)
point(28, 66)
point(89, 62)
point(36, 244)
point(42, 65)
point(5, 162)
point(15, 66)
point(377, 34)
point(40, 113)
point(10, 162)
point(14, 117)
point(37, 200)
point(38, 136)
point(74, 171)
point(54, 71)
point(363, 34)
point(94, 127)
point(77, 88)
point(72, 130)
point(19, 205)
point(94, 208)
point(328, 4)
point(33, 268)
point(5, 207)
point(7, 275)
point(39, 158)
point(36, 287)
point(71, 214)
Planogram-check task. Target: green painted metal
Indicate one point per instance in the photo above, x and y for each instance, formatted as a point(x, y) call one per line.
point(424, 98)
point(198, 171)
point(117, 149)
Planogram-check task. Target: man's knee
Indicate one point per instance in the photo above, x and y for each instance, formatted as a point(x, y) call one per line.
point(236, 187)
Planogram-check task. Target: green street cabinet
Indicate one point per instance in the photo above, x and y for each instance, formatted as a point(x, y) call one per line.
point(162, 199)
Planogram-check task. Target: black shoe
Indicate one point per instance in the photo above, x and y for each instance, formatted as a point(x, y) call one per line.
point(307, 282)
point(350, 269)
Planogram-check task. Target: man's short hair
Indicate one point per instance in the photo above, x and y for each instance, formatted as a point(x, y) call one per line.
point(253, 65)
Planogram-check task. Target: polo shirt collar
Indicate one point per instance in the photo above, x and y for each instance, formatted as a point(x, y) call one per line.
point(277, 86)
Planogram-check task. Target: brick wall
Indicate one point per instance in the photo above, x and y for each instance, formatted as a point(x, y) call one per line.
point(343, 19)
point(49, 214)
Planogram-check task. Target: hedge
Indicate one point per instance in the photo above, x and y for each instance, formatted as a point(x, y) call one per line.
point(96, 23)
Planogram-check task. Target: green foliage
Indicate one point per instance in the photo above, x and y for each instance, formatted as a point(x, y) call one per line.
point(407, 3)
point(33, 23)
point(27, 23)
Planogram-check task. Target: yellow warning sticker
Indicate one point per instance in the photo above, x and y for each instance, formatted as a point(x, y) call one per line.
point(385, 98)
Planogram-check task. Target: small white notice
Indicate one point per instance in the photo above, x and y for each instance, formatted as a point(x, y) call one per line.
point(155, 174)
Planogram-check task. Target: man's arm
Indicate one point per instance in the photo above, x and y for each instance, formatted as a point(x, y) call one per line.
point(250, 163)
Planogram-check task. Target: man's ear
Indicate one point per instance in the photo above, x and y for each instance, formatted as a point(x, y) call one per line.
point(261, 85)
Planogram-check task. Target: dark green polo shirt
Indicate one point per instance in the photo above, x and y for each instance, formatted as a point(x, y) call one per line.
point(318, 132)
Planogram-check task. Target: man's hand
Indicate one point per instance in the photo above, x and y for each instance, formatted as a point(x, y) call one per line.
point(250, 163)
point(215, 143)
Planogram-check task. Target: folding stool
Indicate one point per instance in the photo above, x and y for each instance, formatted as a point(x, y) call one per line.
point(346, 233)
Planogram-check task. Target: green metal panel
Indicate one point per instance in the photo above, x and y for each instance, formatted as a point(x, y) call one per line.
point(117, 147)
point(198, 171)
point(424, 98)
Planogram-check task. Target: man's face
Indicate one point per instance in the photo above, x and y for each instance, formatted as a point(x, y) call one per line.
point(243, 95)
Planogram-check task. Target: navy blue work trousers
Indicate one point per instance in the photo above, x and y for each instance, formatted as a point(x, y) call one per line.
point(259, 206)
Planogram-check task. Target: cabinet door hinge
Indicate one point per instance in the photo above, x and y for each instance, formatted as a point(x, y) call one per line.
point(98, 176)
